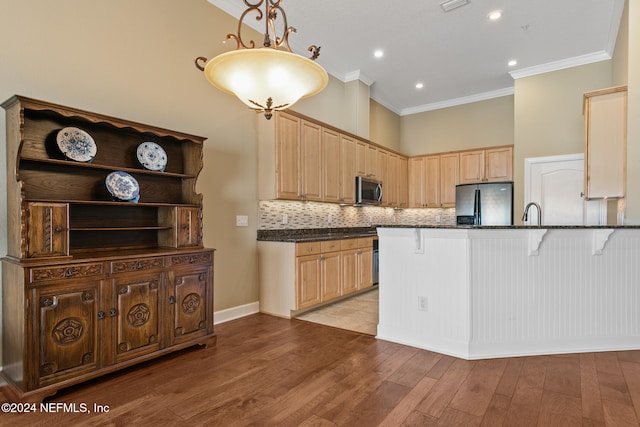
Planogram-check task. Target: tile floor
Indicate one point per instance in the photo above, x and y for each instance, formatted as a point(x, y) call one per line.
point(359, 313)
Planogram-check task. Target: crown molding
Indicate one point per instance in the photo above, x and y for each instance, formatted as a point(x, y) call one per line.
point(561, 64)
point(357, 75)
point(458, 101)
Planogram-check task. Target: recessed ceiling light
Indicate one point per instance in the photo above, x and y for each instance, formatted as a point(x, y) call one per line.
point(512, 63)
point(496, 14)
point(378, 53)
point(419, 85)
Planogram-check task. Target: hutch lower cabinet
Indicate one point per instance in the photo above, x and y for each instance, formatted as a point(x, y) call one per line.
point(92, 283)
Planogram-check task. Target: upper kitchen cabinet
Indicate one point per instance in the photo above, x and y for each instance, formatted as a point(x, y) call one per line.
point(449, 175)
point(403, 182)
point(424, 182)
point(487, 165)
point(311, 161)
point(605, 129)
point(347, 169)
point(302, 159)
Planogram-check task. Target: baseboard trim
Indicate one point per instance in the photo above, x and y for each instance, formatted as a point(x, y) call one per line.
point(235, 312)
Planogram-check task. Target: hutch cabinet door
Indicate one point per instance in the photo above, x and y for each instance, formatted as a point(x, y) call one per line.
point(66, 320)
point(47, 230)
point(189, 227)
point(135, 308)
point(189, 303)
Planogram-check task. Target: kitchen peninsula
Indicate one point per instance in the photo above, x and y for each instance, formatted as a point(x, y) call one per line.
point(483, 292)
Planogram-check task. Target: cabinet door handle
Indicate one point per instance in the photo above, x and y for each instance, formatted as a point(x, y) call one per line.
point(68, 273)
point(172, 299)
point(139, 265)
point(112, 312)
point(100, 315)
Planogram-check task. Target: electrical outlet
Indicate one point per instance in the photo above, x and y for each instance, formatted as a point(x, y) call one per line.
point(438, 218)
point(285, 219)
point(423, 303)
point(242, 221)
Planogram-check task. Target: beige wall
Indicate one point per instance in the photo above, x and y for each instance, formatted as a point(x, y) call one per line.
point(135, 60)
point(384, 126)
point(633, 126)
point(548, 116)
point(620, 64)
point(479, 124)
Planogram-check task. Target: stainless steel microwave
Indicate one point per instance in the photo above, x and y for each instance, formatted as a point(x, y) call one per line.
point(368, 191)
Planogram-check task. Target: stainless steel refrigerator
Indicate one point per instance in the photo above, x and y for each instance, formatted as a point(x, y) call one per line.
point(484, 204)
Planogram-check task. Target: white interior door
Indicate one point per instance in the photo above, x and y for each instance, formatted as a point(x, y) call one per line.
point(556, 183)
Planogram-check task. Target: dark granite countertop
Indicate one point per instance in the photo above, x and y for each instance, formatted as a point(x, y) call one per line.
point(314, 234)
point(513, 227)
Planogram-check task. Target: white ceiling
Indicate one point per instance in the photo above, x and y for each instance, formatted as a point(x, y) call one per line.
point(460, 56)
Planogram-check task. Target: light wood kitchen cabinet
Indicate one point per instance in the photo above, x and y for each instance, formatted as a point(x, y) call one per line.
point(372, 165)
point(449, 175)
point(92, 284)
point(307, 281)
point(416, 169)
point(361, 158)
point(392, 186)
point(367, 160)
point(330, 270)
point(403, 182)
point(311, 161)
point(605, 130)
point(365, 262)
point(432, 181)
point(424, 181)
point(331, 166)
point(357, 264)
point(318, 273)
point(384, 176)
point(349, 249)
point(499, 164)
point(347, 169)
point(488, 165)
point(297, 276)
point(287, 157)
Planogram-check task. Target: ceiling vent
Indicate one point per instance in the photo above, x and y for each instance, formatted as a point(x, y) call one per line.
point(448, 6)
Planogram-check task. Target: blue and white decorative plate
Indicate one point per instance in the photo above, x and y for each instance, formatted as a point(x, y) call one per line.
point(123, 186)
point(151, 156)
point(76, 144)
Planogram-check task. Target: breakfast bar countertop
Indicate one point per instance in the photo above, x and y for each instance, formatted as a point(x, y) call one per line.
point(509, 227)
point(315, 234)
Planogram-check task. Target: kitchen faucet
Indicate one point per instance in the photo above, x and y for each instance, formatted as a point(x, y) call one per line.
point(525, 216)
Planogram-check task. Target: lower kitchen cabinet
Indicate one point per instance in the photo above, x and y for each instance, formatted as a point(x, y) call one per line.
point(299, 276)
point(308, 281)
point(83, 319)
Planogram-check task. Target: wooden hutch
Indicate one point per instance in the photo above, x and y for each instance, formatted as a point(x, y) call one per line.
point(91, 285)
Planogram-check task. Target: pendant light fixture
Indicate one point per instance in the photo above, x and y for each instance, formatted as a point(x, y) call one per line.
point(268, 78)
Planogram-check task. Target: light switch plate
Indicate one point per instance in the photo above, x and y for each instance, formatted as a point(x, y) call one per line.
point(242, 220)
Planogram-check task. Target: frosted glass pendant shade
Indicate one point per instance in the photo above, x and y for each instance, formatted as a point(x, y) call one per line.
point(266, 79)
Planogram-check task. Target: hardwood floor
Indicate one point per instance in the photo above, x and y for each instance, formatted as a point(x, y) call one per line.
point(269, 371)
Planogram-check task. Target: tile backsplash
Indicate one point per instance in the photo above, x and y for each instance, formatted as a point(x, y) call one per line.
point(282, 214)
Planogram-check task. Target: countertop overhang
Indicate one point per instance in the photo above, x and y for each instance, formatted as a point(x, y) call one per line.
point(513, 227)
point(315, 234)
